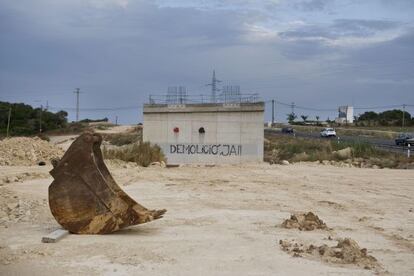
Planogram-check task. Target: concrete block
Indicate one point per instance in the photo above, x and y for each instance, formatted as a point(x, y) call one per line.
point(55, 236)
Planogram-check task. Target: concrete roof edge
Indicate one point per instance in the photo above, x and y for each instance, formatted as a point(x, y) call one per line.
point(206, 107)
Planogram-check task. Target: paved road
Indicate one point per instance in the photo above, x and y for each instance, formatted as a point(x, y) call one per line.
point(377, 142)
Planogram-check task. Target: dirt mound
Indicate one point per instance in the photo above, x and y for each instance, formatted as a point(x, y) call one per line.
point(347, 251)
point(306, 221)
point(26, 151)
point(20, 177)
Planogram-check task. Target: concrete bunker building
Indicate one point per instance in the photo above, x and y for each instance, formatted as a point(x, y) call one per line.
point(221, 132)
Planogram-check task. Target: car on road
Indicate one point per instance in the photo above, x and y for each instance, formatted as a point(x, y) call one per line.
point(288, 130)
point(328, 132)
point(405, 139)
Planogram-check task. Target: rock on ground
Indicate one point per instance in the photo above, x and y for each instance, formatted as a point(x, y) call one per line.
point(345, 153)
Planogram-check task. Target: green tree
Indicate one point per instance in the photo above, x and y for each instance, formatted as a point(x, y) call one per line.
point(304, 117)
point(386, 118)
point(25, 120)
point(368, 116)
point(291, 117)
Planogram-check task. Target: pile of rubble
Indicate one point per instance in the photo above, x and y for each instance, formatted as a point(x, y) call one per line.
point(307, 221)
point(27, 151)
point(347, 251)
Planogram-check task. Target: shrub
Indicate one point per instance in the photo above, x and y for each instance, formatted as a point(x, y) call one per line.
point(299, 149)
point(278, 148)
point(141, 153)
point(44, 137)
point(120, 139)
point(360, 149)
point(102, 127)
point(94, 121)
point(71, 128)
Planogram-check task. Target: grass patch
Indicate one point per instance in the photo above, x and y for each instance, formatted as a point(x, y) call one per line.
point(142, 153)
point(296, 149)
point(121, 139)
point(102, 127)
point(309, 150)
point(360, 149)
point(71, 128)
point(384, 134)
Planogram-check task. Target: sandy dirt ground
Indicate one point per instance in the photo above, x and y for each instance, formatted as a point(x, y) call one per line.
point(223, 220)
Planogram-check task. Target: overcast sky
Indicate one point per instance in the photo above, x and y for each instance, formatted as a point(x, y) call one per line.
point(317, 53)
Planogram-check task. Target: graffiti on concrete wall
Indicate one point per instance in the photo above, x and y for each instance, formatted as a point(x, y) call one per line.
point(214, 149)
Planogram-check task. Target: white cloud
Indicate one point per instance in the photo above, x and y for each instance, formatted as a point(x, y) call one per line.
point(356, 41)
point(257, 33)
point(108, 3)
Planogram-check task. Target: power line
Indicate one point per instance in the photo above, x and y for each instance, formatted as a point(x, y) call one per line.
point(267, 101)
point(273, 101)
point(335, 109)
point(315, 109)
point(96, 109)
point(381, 107)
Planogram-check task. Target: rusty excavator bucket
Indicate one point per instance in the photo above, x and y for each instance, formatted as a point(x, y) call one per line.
point(85, 199)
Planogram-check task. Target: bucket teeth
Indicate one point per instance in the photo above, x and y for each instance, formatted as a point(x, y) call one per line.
point(85, 199)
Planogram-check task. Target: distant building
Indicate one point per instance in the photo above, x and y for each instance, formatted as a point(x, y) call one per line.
point(345, 115)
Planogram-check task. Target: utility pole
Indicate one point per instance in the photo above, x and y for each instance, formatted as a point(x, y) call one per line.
point(8, 122)
point(292, 106)
point(116, 120)
point(273, 112)
point(40, 119)
point(77, 103)
point(403, 118)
